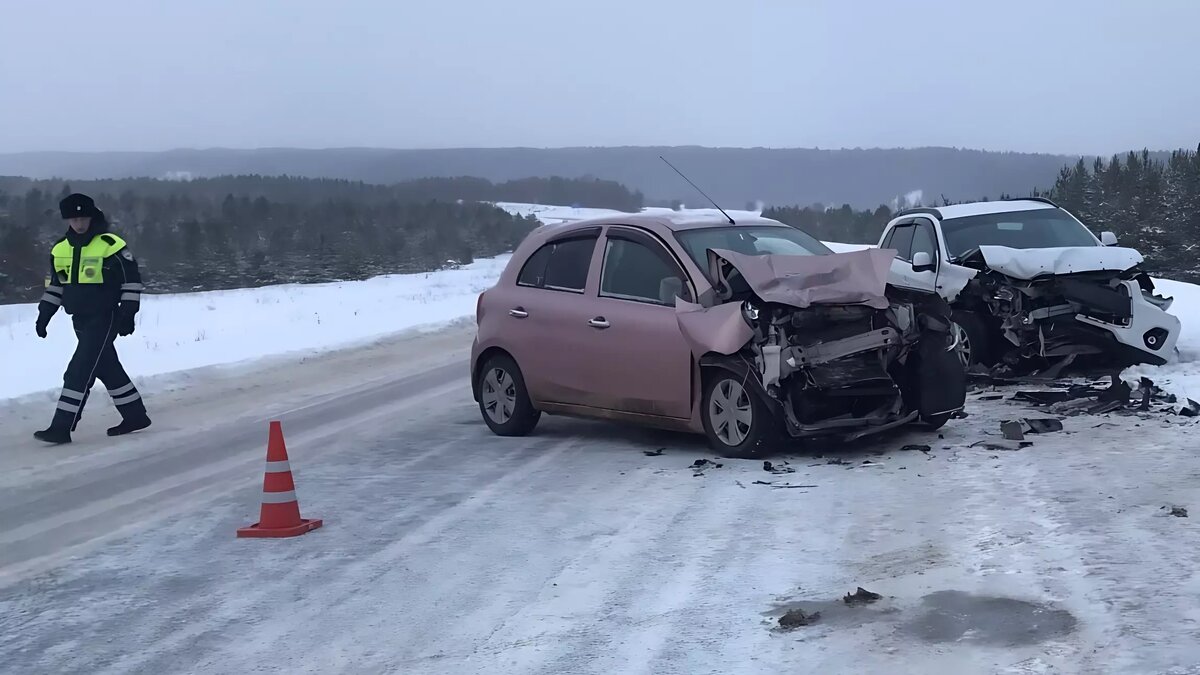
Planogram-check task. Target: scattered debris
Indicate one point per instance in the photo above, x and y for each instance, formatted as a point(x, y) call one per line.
point(1177, 511)
point(786, 486)
point(990, 397)
point(653, 453)
point(1001, 444)
point(1043, 425)
point(861, 597)
point(1192, 409)
point(739, 484)
point(767, 466)
point(1012, 430)
point(836, 460)
point(699, 466)
point(1042, 397)
point(917, 448)
point(796, 618)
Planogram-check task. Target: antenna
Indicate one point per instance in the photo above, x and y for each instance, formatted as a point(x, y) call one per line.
point(710, 199)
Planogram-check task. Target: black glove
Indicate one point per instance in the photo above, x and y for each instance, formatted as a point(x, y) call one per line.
point(125, 323)
point(41, 328)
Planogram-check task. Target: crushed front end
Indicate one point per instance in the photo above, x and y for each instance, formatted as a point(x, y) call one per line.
point(1115, 315)
point(834, 349)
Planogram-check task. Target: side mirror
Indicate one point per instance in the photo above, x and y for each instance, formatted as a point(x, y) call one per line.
point(922, 262)
point(1108, 239)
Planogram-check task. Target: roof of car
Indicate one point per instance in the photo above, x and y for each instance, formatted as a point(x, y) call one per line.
point(980, 208)
point(688, 219)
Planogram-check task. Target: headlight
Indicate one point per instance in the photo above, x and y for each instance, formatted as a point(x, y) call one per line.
point(749, 311)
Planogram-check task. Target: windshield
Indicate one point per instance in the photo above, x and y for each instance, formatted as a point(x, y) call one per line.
point(749, 240)
point(1040, 228)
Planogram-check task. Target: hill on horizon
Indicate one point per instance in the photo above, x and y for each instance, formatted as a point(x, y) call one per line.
point(735, 177)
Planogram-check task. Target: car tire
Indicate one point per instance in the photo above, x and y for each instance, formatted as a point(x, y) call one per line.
point(978, 343)
point(504, 400)
point(737, 422)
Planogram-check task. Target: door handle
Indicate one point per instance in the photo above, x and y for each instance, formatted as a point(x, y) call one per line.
point(518, 312)
point(599, 322)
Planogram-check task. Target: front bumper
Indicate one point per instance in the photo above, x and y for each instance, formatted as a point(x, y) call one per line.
point(1148, 336)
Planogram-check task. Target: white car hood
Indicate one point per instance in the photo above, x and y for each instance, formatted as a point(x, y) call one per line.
point(1027, 263)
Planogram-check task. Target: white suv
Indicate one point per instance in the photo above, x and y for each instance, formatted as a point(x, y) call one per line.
point(1028, 280)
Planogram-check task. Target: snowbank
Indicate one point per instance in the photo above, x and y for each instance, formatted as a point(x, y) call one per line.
point(193, 330)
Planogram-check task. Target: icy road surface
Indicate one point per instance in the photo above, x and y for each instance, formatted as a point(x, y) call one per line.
point(448, 550)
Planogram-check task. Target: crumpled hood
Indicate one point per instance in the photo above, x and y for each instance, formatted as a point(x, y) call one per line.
point(1028, 263)
point(854, 278)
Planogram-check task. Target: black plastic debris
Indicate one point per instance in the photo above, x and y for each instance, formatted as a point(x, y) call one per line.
point(1192, 409)
point(1043, 425)
point(990, 397)
point(861, 597)
point(915, 448)
point(1177, 511)
point(767, 466)
point(701, 462)
point(653, 453)
point(1001, 444)
point(797, 617)
point(1042, 397)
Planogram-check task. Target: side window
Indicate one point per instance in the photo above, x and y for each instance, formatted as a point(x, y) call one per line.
point(642, 272)
point(923, 240)
point(902, 238)
point(534, 271)
point(559, 265)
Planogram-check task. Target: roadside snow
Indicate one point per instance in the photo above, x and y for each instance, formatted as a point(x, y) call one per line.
point(194, 330)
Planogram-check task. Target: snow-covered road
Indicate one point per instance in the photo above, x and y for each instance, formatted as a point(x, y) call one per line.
point(448, 550)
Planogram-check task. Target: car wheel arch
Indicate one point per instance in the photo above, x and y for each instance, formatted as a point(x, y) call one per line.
point(477, 370)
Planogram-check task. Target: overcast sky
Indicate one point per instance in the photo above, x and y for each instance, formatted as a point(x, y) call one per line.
point(1070, 76)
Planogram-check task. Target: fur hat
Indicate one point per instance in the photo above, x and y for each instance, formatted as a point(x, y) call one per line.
point(78, 206)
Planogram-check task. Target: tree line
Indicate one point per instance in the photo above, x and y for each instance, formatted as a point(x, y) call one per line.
point(248, 231)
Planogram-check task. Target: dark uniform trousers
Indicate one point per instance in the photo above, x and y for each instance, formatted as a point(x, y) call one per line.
point(95, 358)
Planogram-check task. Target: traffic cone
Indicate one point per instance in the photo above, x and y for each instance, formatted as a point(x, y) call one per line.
point(280, 515)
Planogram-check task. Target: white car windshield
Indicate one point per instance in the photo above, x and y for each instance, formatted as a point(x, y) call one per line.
point(749, 240)
point(1039, 228)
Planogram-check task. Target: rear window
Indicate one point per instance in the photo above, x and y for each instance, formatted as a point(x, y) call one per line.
point(1039, 228)
point(560, 265)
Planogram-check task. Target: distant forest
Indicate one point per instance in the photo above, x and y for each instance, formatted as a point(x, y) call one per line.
point(248, 231)
point(862, 177)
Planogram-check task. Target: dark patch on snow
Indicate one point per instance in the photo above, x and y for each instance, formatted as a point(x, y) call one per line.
point(653, 453)
point(861, 597)
point(957, 617)
point(916, 448)
point(1177, 511)
point(797, 617)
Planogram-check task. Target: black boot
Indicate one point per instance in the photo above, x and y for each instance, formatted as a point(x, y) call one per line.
point(128, 426)
point(55, 435)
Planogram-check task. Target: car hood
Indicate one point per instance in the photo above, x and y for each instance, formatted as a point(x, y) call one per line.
point(1029, 263)
point(853, 278)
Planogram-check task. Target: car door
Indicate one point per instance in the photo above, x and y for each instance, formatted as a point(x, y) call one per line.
point(544, 313)
point(908, 236)
point(638, 360)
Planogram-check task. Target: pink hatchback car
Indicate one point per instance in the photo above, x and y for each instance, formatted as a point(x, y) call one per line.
point(745, 332)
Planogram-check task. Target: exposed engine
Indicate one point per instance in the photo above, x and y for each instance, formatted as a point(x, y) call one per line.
point(833, 366)
point(1058, 316)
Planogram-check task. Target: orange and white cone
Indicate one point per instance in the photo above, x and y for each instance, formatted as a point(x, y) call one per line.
point(280, 515)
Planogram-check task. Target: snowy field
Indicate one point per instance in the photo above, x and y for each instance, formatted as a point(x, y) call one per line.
point(177, 333)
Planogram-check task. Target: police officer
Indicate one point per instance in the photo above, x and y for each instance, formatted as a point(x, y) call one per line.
point(95, 279)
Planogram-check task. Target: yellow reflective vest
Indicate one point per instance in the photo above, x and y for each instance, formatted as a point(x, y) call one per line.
point(89, 267)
